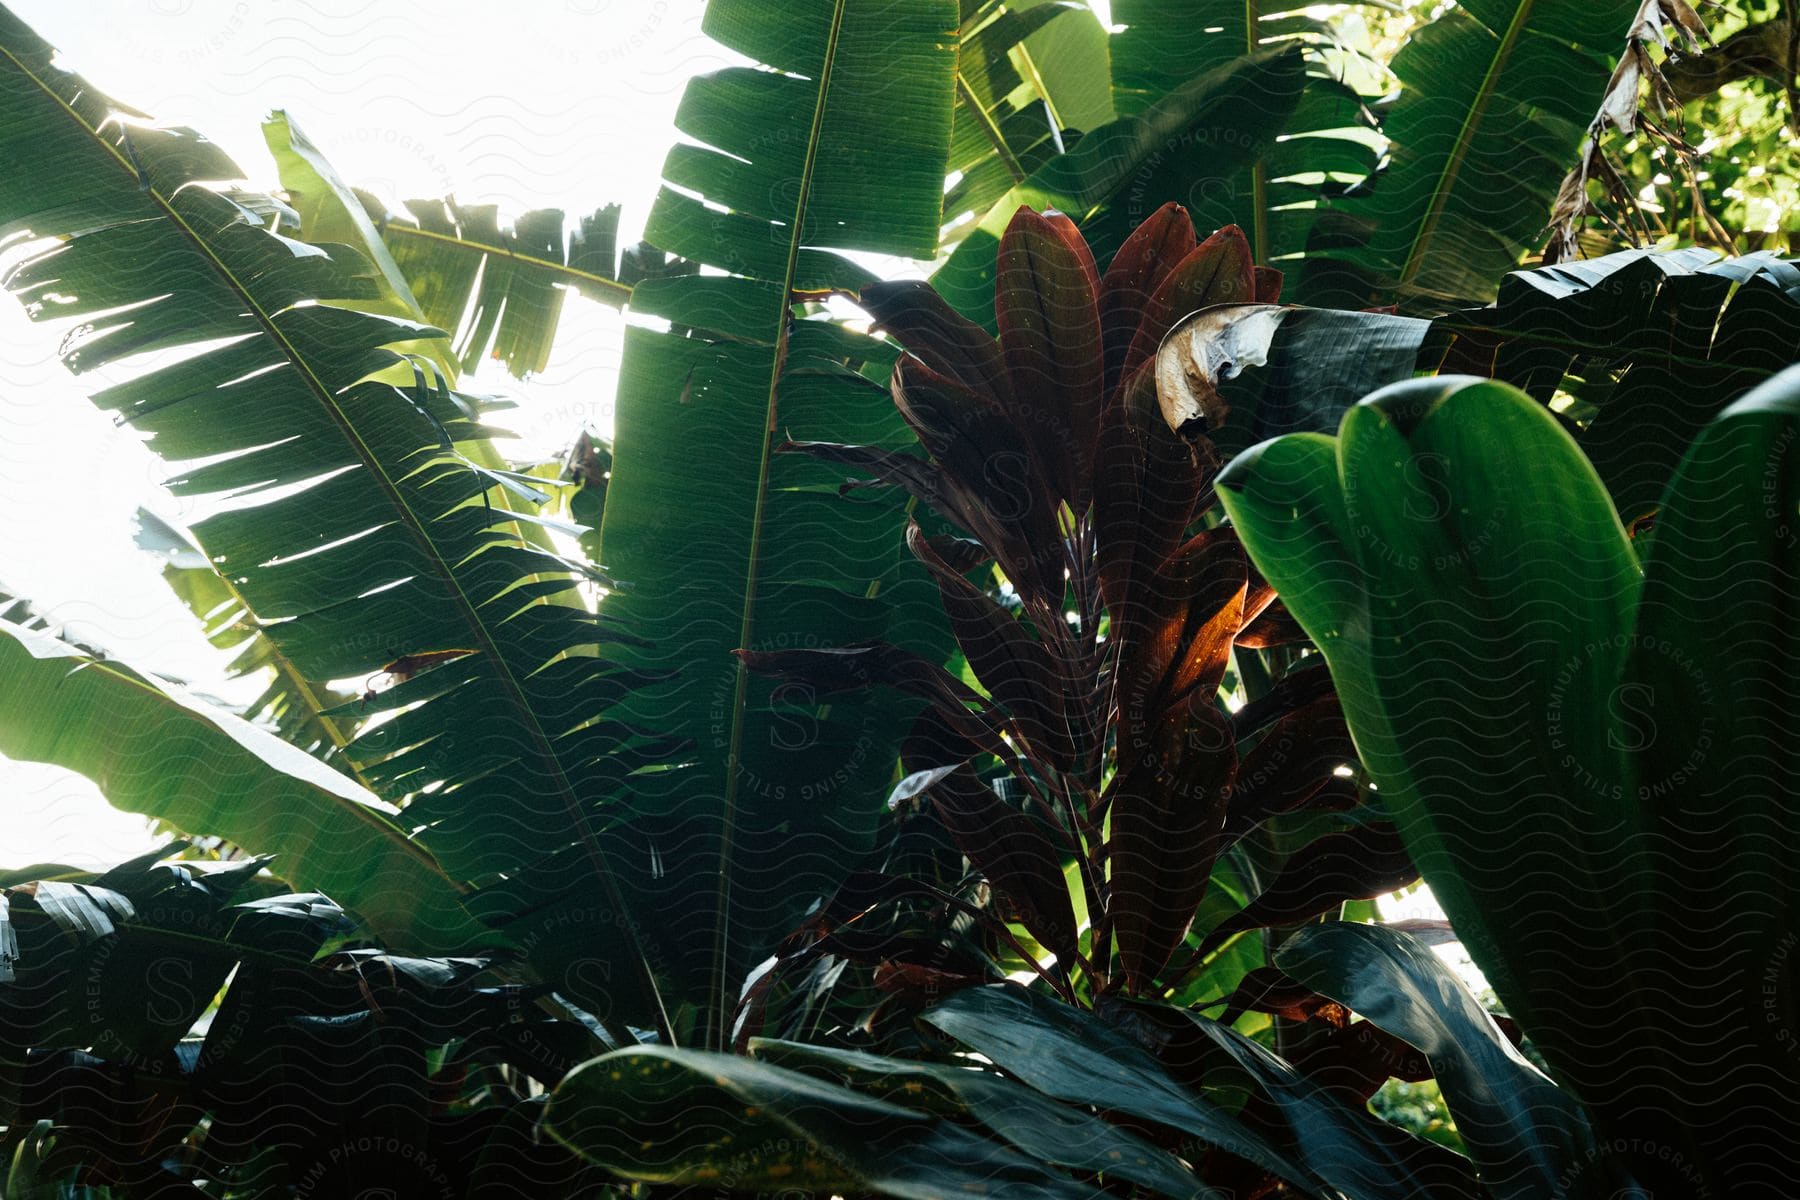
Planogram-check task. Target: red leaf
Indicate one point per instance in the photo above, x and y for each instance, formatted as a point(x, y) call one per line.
point(1354, 1058)
point(1147, 490)
point(1217, 271)
point(1168, 811)
point(1144, 261)
point(1016, 855)
point(851, 668)
point(1176, 627)
point(1303, 684)
point(1353, 864)
point(1015, 668)
point(1271, 990)
point(989, 457)
point(1274, 626)
point(1046, 297)
point(919, 984)
point(1290, 764)
point(939, 336)
point(1268, 285)
point(1035, 569)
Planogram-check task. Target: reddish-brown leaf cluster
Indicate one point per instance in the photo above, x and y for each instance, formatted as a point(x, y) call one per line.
point(1046, 447)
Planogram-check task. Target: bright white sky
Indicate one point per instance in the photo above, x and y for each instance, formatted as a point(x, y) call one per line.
point(532, 103)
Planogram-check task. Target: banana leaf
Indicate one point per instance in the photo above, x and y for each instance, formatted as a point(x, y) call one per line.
point(1030, 79)
point(715, 543)
point(1327, 144)
point(1634, 352)
point(1116, 176)
point(348, 517)
point(154, 749)
point(1493, 100)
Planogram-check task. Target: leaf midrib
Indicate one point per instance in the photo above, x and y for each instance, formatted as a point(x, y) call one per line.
point(1440, 196)
point(617, 292)
point(722, 909)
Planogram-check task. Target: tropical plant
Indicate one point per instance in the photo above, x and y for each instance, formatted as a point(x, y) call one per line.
point(322, 1069)
point(1156, 1097)
point(369, 532)
point(557, 830)
point(1050, 456)
point(1581, 736)
point(1633, 353)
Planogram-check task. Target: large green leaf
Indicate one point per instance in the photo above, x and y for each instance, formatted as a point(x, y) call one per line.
point(1584, 758)
point(500, 291)
point(288, 703)
point(1029, 77)
point(1526, 1136)
point(353, 528)
point(1636, 351)
point(1650, 346)
point(1059, 1134)
point(718, 544)
point(1494, 98)
point(689, 1117)
point(153, 749)
point(1072, 1057)
point(1325, 147)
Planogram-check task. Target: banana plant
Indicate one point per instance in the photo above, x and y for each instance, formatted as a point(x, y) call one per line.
point(1288, 188)
point(1030, 79)
point(154, 748)
point(1066, 478)
point(1582, 735)
point(1492, 105)
point(712, 543)
point(368, 532)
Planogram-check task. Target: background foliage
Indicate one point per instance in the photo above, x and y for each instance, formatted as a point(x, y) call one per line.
point(502, 724)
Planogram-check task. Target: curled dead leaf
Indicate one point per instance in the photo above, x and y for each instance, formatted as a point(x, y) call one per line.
point(1206, 349)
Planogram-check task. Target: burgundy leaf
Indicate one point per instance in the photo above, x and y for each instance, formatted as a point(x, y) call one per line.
point(1000, 540)
point(1299, 687)
point(1271, 990)
point(921, 985)
point(1016, 855)
point(1273, 626)
point(1268, 285)
point(1147, 490)
point(1144, 261)
point(1176, 628)
point(1217, 271)
point(986, 454)
point(962, 554)
point(1354, 1058)
point(1292, 762)
point(946, 341)
point(852, 668)
point(1046, 296)
point(1168, 809)
point(1014, 667)
point(921, 478)
point(933, 742)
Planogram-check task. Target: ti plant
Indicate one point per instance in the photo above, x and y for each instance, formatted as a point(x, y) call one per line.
point(1060, 471)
